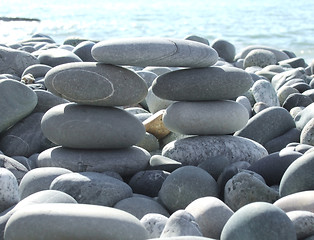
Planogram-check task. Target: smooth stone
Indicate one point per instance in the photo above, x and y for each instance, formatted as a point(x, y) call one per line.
point(266, 125)
point(225, 49)
point(301, 87)
point(140, 206)
point(9, 190)
point(264, 92)
point(184, 185)
point(19, 102)
point(194, 150)
point(304, 116)
point(88, 130)
point(259, 106)
point(261, 221)
point(73, 221)
point(303, 222)
point(294, 62)
point(214, 165)
point(158, 162)
point(126, 162)
point(295, 111)
point(280, 55)
point(83, 51)
point(296, 100)
point(155, 125)
point(297, 201)
point(197, 38)
point(181, 223)
point(228, 172)
point(74, 41)
point(92, 188)
point(56, 56)
point(278, 143)
point(46, 196)
point(205, 118)
point(39, 179)
point(299, 176)
point(158, 70)
point(15, 61)
point(260, 58)
point(155, 103)
point(245, 103)
point(148, 76)
point(154, 224)
point(47, 100)
point(154, 52)
point(25, 137)
point(307, 134)
point(148, 182)
point(149, 143)
point(106, 85)
point(211, 214)
point(18, 169)
point(37, 70)
point(309, 93)
point(245, 188)
point(202, 84)
point(284, 92)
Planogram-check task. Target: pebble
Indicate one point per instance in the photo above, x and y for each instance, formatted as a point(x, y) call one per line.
point(57, 56)
point(154, 223)
point(303, 222)
point(225, 49)
point(149, 143)
point(155, 103)
point(158, 162)
point(9, 190)
point(259, 220)
point(47, 100)
point(154, 52)
point(37, 70)
point(155, 125)
point(260, 58)
point(158, 70)
point(205, 118)
point(80, 126)
point(214, 165)
point(73, 221)
point(83, 51)
point(307, 134)
point(284, 92)
point(264, 92)
point(196, 38)
point(304, 116)
point(18, 169)
point(296, 100)
point(202, 84)
point(106, 85)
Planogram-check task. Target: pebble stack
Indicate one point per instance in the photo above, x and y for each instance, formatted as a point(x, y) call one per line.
point(155, 138)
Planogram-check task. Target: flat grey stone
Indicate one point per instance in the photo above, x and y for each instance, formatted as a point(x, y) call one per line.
point(126, 161)
point(96, 84)
point(25, 137)
point(202, 84)
point(15, 61)
point(194, 150)
point(301, 86)
point(211, 214)
point(225, 49)
point(154, 223)
point(304, 116)
point(140, 206)
point(181, 223)
point(259, 220)
point(149, 143)
point(302, 201)
point(296, 100)
point(92, 188)
point(214, 165)
point(264, 92)
point(37, 70)
point(298, 176)
point(205, 118)
point(303, 222)
point(184, 185)
point(244, 188)
point(267, 124)
point(39, 179)
point(18, 169)
point(155, 103)
point(260, 58)
point(47, 100)
point(81, 126)
point(307, 134)
point(18, 102)
point(9, 190)
point(154, 52)
point(197, 38)
point(294, 62)
point(57, 56)
point(84, 51)
point(73, 221)
point(284, 92)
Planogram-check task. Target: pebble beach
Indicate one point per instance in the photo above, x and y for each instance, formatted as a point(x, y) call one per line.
point(155, 138)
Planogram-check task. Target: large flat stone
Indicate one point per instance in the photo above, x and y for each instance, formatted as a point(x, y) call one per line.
point(154, 52)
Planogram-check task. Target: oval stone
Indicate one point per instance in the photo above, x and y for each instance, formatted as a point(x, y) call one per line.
point(297, 201)
point(126, 161)
point(154, 52)
point(205, 118)
point(194, 150)
point(202, 84)
point(90, 127)
point(73, 221)
point(96, 84)
point(9, 190)
point(264, 92)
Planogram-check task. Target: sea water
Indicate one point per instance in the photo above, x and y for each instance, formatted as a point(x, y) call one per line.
point(282, 24)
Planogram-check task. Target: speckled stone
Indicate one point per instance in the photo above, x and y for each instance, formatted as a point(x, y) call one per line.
point(9, 190)
point(194, 150)
point(211, 214)
point(154, 223)
point(260, 58)
point(307, 134)
point(264, 92)
point(261, 221)
point(303, 222)
point(154, 52)
point(73, 221)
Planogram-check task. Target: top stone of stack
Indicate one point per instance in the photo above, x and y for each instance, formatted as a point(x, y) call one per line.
point(154, 52)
